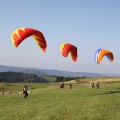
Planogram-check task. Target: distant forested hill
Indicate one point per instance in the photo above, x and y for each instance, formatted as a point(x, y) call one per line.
point(17, 77)
point(48, 72)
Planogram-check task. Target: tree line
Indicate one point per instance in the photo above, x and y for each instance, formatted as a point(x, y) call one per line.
point(17, 77)
point(63, 79)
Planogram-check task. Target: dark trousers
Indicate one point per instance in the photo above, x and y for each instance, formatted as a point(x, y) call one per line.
point(26, 94)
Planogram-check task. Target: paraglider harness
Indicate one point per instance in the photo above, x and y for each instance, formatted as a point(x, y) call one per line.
point(23, 92)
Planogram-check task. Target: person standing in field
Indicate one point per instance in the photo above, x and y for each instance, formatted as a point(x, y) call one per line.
point(25, 89)
point(62, 85)
point(97, 85)
point(93, 85)
point(70, 86)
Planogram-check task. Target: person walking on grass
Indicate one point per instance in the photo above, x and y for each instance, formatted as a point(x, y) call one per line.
point(25, 89)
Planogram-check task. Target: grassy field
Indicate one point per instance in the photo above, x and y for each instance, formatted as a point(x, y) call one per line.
point(49, 78)
point(49, 102)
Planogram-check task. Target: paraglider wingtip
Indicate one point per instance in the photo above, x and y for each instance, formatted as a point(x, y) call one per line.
point(44, 50)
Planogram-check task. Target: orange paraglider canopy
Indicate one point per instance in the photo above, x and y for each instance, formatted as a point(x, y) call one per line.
point(100, 53)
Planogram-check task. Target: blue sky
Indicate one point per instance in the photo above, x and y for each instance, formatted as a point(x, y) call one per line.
point(87, 24)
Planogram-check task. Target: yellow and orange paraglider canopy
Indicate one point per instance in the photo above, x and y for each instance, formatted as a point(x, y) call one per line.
point(22, 33)
point(67, 48)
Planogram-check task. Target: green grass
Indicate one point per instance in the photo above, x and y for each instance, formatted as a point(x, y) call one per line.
point(49, 102)
point(49, 78)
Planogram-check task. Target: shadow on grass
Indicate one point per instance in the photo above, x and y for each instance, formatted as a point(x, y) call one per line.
point(110, 92)
point(117, 88)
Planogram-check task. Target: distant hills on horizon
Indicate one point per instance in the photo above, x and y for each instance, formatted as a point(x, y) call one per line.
point(49, 72)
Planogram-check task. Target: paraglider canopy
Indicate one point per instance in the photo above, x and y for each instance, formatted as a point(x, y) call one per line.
point(22, 33)
point(67, 48)
point(100, 53)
